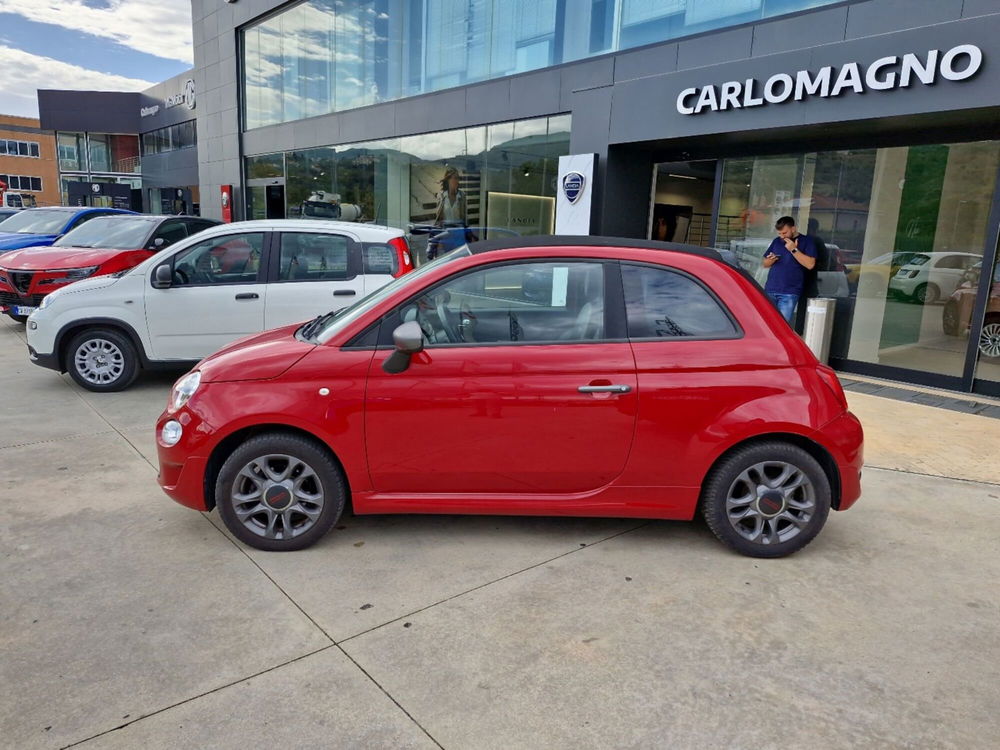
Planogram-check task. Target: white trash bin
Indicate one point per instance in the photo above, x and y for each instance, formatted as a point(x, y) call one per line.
point(819, 326)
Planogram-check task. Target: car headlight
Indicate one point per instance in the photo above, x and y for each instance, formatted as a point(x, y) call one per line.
point(75, 274)
point(184, 389)
point(49, 298)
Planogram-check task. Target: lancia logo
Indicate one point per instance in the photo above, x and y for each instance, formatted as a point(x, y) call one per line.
point(572, 185)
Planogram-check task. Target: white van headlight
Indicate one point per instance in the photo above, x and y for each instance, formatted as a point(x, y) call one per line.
point(184, 389)
point(48, 298)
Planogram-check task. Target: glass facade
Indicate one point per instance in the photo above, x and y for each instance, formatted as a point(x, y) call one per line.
point(170, 138)
point(97, 157)
point(447, 187)
point(901, 234)
point(323, 56)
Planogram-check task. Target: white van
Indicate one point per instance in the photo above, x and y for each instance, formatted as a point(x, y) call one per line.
point(207, 291)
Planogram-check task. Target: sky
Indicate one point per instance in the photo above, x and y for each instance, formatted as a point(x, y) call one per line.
point(92, 45)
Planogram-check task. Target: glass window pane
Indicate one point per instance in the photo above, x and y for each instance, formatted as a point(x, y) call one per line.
point(530, 302)
point(664, 304)
point(33, 149)
point(71, 152)
point(36, 184)
point(313, 257)
point(229, 259)
point(959, 308)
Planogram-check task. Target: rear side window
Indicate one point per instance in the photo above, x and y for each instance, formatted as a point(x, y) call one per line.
point(380, 259)
point(666, 304)
point(314, 257)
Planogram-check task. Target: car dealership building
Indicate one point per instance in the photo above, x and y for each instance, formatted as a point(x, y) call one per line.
point(875, 123)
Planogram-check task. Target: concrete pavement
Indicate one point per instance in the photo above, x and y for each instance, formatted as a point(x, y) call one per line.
point(127, 620)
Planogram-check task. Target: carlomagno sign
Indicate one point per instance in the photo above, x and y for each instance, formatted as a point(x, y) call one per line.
point(959, 63)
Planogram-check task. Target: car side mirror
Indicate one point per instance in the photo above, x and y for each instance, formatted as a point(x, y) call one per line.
point(158, 244)
point(163, 277)
point(409, 340)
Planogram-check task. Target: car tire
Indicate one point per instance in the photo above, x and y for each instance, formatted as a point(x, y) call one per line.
point(280, 492)
point(102, 360)
point(926, 294)
point(949, 319)
point(22, 319)
point(766, 500)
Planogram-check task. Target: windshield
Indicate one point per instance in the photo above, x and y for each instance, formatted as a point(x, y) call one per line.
point(37, 221)
point(113, 232)
point(918, 260)
point(330, 323)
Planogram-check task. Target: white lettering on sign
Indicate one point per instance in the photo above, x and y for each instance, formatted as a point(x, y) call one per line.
point(149, 111)
point(957, 64)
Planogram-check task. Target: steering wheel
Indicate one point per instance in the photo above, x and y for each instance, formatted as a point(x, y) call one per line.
point(182, 275)
point(447, 321)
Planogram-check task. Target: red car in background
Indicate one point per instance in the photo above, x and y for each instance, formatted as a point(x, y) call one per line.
point(576, 376)
point(103, 245)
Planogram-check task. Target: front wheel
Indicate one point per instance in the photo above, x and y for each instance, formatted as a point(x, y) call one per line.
point(767, 500)
point(280, 492)
point(102, 360)
point(926, 294)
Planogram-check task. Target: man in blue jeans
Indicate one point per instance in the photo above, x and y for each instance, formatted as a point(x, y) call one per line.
point(789, 256)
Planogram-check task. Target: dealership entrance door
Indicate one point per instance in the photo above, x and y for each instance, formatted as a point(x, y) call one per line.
point(683, 199)
point(266, 198)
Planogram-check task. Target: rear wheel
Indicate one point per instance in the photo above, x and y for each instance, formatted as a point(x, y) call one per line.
point(102, 360)
point(280, 492)
point(767, 500)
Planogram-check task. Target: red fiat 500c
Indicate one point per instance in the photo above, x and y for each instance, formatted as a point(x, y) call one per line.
point(548, 376)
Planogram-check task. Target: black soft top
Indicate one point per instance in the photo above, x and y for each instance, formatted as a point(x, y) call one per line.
point(508, 243)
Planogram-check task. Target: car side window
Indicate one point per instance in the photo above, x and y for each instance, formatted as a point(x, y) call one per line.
point(170, 232)
point(666, 304)
point(313, 257)
point(226, 259)
point(84, 218)
point(514, 303)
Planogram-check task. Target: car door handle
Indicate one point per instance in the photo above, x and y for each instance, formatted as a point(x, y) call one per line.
point(604, 388)
point(248, 295)
point(344, 293)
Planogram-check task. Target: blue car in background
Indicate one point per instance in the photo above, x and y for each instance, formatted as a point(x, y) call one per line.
point(43, 226)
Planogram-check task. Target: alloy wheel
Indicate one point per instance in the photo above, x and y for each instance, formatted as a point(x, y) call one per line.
point(770, 502)
point(989, 340)
point(277, 496)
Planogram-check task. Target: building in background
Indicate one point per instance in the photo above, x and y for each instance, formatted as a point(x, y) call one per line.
point(28, 170)
point(130, 150)
point(875, 123)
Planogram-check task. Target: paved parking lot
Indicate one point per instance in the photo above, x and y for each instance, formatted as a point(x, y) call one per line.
point(128, 621)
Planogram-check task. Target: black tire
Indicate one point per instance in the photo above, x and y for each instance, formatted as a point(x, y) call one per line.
point(729, 477)
point(926, 294)
point(302, 531)
point(122, 361)
point(22, 319)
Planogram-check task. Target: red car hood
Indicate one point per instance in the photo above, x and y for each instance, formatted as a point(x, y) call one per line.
point(258, 357)
point(49, 258)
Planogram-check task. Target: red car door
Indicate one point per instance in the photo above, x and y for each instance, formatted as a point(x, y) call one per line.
point(518, 389)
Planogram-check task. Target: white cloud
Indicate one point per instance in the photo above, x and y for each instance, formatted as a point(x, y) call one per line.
point(25, 73)
point(161, 27)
